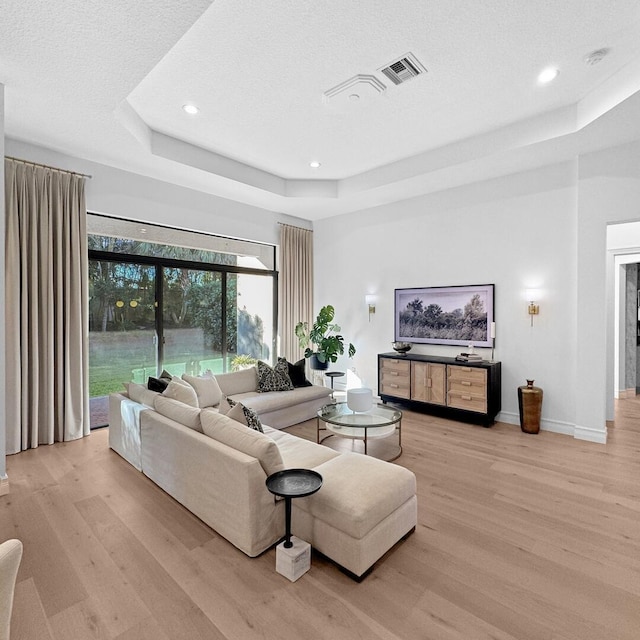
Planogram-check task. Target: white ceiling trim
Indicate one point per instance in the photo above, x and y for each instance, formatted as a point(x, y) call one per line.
point(480, 155)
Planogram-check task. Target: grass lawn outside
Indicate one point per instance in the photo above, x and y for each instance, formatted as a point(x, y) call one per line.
point(129, 356)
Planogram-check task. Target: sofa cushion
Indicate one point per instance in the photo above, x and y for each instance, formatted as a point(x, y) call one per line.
point(235, 382)
point(181, 391)
point(183, 413)
point(253, 443)
point(358, 492)
point(246, 416)
point(241, 413)
point(298, 453)
point(298, 374)
point(274, 379)
point(273, 401)
point(139, 393)
point(207, 389)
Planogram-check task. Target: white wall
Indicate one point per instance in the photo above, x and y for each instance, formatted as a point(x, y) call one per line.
point(544, 228)
point(517, 232)
point(4, 486)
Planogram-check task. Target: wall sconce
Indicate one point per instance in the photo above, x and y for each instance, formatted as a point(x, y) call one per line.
point(534, 309)
point(370, 299)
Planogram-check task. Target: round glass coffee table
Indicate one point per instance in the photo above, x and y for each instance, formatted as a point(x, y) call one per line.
point(378, 424)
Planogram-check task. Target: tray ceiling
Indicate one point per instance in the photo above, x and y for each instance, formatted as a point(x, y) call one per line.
point(107, 82)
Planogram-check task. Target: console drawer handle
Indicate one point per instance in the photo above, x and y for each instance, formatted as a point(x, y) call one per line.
point(393, 373)
point(394, 386)
point(466, 383)
point(466, 397)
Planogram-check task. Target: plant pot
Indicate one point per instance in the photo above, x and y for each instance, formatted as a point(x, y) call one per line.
point(530, 405)
point(315, 364)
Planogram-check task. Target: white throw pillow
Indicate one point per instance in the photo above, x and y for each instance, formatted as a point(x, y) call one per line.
point(225, 405)
point(253, 443)
point(179, 411)
point(140, 393)
point(207, 390)
point(182, 392)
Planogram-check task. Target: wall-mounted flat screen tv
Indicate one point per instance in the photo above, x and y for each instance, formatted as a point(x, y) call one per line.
point(459, 315)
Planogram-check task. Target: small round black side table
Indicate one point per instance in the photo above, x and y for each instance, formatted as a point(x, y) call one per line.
point(332, 375)
point(293, 483)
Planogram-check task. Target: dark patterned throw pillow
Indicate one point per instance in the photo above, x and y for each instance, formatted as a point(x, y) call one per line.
point(274, 379)
point(253, 421)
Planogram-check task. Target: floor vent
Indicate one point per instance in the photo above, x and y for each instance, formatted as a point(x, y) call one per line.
point(403, 69)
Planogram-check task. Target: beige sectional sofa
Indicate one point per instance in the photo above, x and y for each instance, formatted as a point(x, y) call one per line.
point(364, 507)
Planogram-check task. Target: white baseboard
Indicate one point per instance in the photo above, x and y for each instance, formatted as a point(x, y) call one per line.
point(591, 434)
point(4, 485)
point(627, 393)
point(557, 426)
point(508, 417)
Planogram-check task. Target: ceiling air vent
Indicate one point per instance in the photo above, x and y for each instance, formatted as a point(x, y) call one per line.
point(403, 69)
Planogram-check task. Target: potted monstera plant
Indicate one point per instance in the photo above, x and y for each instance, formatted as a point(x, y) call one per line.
point(322, 341)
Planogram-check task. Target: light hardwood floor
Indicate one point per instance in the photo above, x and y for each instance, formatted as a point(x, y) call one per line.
point(527, 537)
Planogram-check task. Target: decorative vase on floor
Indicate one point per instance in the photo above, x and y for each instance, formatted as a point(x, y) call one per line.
point(530, 404)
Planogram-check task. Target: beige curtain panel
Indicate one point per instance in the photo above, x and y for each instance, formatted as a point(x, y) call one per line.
point(296, 286)
point(46, 311)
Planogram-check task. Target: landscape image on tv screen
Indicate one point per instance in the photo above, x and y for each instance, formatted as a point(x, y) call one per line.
point(459, 315)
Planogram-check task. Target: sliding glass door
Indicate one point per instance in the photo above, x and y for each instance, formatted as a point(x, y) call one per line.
point(122, 329)
point(149, 313)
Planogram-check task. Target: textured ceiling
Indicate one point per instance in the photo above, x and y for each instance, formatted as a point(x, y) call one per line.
point(106, 82)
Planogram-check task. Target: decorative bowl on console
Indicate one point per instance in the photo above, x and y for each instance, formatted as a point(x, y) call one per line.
point(401, 347)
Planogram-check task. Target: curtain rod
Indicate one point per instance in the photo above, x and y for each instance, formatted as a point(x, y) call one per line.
point(48, 166)
point(293, 226)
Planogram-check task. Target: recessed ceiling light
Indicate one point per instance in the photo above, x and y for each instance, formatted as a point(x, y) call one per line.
point(314, 164)
point(548, 74)
point(191, 109)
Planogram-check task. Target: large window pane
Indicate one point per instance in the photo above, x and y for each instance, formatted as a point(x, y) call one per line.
point(250, 299)
point(121, 329)
point(153, 306)
point(192, 319)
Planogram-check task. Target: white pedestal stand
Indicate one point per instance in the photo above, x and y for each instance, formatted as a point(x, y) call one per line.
point(295, 561)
